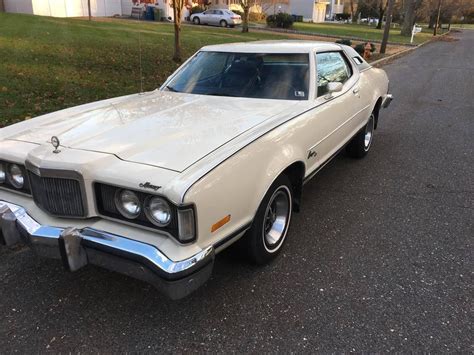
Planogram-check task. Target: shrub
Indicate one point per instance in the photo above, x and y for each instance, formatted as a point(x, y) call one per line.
point(196, 10)
point(281, 20)
point(256, 16)
point(360, 48)
point(345, 41)
point(343, 16)
point(238, 12)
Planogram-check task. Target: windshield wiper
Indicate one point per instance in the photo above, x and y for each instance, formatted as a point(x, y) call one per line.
point(170, 88)
point(217, 93)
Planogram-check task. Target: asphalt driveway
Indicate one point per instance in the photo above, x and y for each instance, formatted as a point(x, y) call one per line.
point(379, 259)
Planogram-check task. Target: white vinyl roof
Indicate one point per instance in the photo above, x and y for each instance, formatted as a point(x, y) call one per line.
point(283, 46)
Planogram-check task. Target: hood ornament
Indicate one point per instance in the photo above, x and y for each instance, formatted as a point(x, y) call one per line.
point(55, 142)
point(148, 185)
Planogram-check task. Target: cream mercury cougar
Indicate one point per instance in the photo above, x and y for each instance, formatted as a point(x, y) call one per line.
point(154, 185)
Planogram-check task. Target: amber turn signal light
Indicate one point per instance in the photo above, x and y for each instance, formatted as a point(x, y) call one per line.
point(220, 223)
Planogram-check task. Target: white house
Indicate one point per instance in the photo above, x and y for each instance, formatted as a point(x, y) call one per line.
point(335, 7)
point(311, 10)
point(78, 8)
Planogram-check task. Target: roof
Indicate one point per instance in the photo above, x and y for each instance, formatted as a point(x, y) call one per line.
point(278, 46)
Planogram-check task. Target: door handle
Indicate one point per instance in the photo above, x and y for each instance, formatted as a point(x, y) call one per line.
point(355, 91)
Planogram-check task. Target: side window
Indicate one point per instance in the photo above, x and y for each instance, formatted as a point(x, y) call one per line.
point(331, 67)
point(218, 12)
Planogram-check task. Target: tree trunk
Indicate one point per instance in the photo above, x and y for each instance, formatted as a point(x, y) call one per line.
point(381, 13)
point(438, 24)
point(408, 18)
point(89, 9)
point(432, 20)
point(386, 30)
point(352, 10)
point(2, 7)
point(177, 32)
point(245, 22)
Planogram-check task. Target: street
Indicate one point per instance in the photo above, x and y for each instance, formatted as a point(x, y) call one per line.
point(379, 259)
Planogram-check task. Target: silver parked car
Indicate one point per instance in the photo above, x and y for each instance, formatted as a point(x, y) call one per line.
point(219, 17)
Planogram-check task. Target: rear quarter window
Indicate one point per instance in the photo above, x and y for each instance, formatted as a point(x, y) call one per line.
point(356, 58)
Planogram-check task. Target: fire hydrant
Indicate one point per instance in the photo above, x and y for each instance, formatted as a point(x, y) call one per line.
point(367, 50)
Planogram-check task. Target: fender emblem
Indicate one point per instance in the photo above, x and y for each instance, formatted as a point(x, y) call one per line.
point(312, 154)
point(147, 185)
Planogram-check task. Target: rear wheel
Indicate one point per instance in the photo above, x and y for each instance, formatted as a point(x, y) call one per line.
point(361, 143)
point(265, 238)
point(196, 21)
point(223, 23)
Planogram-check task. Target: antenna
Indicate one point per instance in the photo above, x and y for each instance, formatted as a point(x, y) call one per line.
point(140, 54)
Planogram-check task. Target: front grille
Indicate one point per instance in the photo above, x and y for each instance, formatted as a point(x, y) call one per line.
point(58, 196)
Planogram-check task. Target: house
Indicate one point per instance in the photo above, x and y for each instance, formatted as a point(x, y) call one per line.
point(310, 10)
point(79, 8)
point(336, 7)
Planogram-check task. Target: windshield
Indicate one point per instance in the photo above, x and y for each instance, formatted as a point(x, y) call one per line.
point(266, 76)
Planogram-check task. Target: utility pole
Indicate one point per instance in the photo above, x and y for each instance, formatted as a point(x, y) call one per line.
point(435, 31)
point(89, 8)
point(386, 29)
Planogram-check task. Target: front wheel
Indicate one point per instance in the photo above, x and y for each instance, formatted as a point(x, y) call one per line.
point(265, 238)
point(361, 143)
point(196, 21)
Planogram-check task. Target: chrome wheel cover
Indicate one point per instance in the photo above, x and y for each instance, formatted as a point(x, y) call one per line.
point(276, 219)
point(369, 133)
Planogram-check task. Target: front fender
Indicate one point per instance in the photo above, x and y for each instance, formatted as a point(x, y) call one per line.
point(237, 186)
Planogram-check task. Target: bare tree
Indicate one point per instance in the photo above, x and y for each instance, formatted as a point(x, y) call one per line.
point(386, 30)
point(382, 7)
point(177, 12)
point(408, 17)
point(245, 21)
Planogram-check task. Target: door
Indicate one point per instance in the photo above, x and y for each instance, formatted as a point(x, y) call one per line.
point(205, 17)
point(336, 113)
point(217, 16)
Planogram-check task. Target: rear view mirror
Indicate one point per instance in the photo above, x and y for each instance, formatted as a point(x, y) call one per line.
point(333, 87)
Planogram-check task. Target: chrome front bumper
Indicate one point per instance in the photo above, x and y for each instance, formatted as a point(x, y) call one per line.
point(79, 247)
point(387, 100)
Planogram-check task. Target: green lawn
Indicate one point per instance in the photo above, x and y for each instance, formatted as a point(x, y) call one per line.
point(469, 26)
point(49, 63)
point(360, 31)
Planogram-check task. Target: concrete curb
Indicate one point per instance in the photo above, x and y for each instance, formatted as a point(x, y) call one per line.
point(380, 62)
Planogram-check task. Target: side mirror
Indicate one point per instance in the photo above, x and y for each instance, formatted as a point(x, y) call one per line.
point(333, 87)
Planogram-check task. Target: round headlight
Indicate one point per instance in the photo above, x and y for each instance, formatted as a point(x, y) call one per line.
point(15, 176)
point(158, 211)
point(128, 203)
point(2, 173)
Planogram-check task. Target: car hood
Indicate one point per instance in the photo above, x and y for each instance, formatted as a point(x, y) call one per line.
point(163, 129)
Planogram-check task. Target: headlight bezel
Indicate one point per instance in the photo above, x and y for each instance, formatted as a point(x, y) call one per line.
point(103, 191)
point(7, 184)
point(11, 176)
